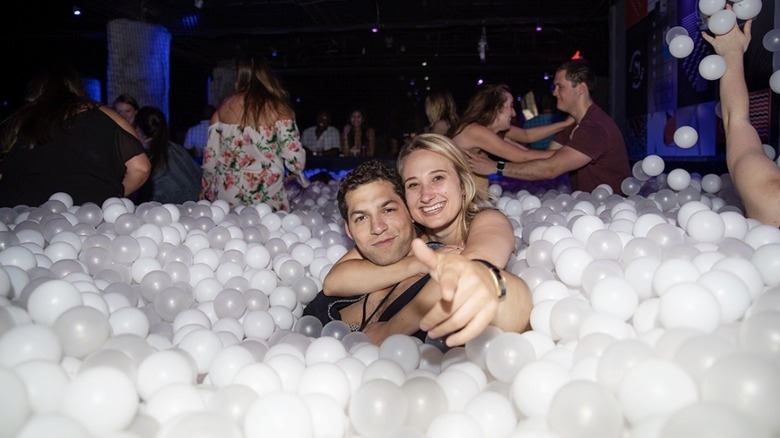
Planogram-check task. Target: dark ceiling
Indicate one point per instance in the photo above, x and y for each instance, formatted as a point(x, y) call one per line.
point(337, 34)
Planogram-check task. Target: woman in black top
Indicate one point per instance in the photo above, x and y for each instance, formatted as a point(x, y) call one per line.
point(61, 141)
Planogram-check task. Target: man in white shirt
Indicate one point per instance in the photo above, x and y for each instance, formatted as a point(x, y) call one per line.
point(322, 139)
point(198, 135)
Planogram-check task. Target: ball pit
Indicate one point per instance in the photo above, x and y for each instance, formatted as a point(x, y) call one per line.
point(656, 315)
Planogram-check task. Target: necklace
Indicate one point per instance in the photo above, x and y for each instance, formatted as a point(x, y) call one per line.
point(364, 321)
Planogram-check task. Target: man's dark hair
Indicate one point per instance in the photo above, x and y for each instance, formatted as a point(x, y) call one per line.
point(366, 173)
point(579, 71)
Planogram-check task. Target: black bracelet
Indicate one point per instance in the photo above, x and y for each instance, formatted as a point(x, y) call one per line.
point(498, 279)
point(500, 168)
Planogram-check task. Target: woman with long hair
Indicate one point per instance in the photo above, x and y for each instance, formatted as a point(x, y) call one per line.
point(253, 137)
point(357, 138)
point(486, 128)
point(175, 175)
point(62, 141)
point(441, 112)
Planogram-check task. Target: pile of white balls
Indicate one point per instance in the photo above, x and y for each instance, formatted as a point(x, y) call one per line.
point(656, 315)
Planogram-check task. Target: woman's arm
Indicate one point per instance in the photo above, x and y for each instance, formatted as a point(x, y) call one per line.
point(756, 177)
point(490, 238)
point(137, 170)
point(353, 275)
point(537, 133)
point(292, 152)
point(478, 136)
point(208, 177)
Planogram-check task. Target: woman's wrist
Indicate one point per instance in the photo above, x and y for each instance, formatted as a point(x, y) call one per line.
point(498, 279)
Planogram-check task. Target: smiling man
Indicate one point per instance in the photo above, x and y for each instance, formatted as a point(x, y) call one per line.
point(592, 150)
point(371, 202)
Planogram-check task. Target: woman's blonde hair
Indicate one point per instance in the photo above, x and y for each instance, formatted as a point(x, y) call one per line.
point(474, 199)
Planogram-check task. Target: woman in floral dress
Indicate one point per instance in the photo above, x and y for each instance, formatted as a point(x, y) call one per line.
point(252, 139)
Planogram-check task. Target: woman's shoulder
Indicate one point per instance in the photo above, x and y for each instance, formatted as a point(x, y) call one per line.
point(119, 120)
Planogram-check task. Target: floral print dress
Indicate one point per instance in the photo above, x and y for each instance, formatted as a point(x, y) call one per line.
point(242, 165)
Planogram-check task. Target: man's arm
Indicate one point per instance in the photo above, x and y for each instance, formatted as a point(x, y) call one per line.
point(755, 176)
point(563, 160)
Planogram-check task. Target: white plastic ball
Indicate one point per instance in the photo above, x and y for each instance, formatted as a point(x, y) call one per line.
point(655, 387)
point(721, 23)
point(675, 32)
point(653, 165)
point(104, 399)
point(771, 40)
point(681, 46)
point(685, 137)
point(747, 9)
point(774, 82)
point(709, 7)
point(679, 179)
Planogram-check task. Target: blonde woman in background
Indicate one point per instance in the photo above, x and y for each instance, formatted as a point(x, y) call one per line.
point(441, 112)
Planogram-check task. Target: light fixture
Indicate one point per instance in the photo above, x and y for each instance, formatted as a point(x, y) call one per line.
point(198, 4)
point(538, 26)
point(482, 45)
point(76, 11)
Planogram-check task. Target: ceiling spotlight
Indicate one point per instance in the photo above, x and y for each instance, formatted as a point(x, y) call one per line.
point(198, 4)
point(546, 76)
point(76, 11)
point(538, 27)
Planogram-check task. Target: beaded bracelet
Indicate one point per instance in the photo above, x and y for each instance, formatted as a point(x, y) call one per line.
point(498, 279)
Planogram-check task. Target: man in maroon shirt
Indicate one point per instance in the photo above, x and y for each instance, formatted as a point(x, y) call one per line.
point(592, 150)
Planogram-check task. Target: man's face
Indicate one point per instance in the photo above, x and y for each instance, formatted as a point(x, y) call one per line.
point(323, 120)
point(566, 93)
point(379, 223)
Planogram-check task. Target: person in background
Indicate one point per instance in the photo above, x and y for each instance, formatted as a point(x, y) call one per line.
point(592, 151)
point(357, 138)
point(61, 141)
point(486, 128)
point(458, 298)
point(441, 112)
point(548, 114)
point(126, 106)
point(322, 139)
point(198, 135)
point(175, 175)
point(756, 177)
point(253, 137)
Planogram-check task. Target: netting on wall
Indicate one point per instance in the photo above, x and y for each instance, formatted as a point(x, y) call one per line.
point(139, 62)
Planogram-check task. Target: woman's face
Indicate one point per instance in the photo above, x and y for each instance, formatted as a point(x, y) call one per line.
point(505, 114)
point(433, 189)
point(126, 111)
point(356, 118)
